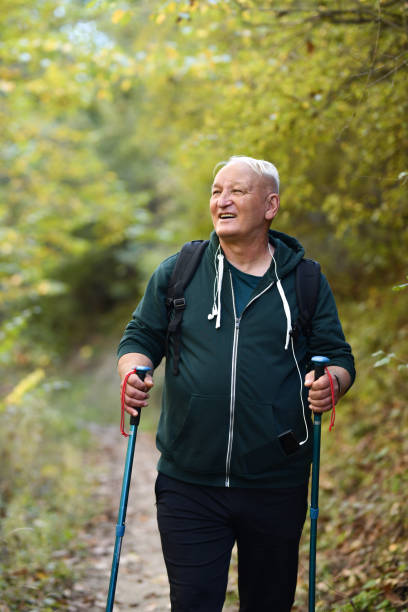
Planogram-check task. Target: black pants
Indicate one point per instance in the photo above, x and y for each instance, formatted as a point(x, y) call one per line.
point(198, 527)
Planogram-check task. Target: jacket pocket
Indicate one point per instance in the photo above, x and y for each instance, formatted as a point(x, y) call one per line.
point(257, 449)
point(201, 444)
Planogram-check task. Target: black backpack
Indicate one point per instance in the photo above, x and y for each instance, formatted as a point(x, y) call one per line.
point(307, 290)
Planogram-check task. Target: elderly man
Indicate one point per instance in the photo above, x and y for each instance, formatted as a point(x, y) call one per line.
point(223, 476)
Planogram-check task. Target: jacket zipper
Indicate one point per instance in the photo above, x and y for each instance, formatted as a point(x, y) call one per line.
point(234, 377)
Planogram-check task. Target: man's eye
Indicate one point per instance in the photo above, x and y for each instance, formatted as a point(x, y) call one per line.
point(215, 192)
point(237, 191)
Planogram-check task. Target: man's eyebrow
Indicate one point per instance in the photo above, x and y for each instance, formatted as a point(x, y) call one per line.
point(234, 184)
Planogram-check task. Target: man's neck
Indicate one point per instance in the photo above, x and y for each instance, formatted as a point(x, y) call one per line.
point(254, 258)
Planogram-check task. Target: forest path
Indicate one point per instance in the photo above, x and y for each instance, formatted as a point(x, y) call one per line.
point(142, 579)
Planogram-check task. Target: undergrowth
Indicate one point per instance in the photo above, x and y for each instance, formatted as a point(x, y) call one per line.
point(362, 539)
point(44, 502)
point(47, 477)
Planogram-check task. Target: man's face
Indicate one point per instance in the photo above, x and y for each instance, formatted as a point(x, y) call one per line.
point(242, 203)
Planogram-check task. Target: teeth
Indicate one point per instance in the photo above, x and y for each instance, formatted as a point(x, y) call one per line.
point(227, 216)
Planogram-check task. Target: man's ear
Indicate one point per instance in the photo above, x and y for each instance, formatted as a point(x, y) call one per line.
point(273, 203)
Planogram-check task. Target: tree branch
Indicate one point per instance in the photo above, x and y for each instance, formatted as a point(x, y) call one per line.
point(349, 16)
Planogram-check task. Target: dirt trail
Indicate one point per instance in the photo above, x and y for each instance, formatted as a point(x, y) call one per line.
point(142, 581)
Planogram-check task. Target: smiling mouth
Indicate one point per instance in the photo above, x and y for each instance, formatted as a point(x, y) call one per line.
point(227, 216)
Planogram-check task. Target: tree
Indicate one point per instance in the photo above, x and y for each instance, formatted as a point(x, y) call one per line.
point(63, 205)
point(319, 90)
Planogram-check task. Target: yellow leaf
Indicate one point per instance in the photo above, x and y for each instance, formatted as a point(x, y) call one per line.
point(160, 18)
point(50, 45)
point(102, 94)
point(25, 385)
point(117, 15)
point(126, 85)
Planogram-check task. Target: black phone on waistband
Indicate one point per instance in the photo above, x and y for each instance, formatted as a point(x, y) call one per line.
point(288, 442)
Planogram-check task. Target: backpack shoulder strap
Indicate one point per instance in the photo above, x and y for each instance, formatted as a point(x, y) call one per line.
point(185, 267)
point(186, 264)
point(307, 291)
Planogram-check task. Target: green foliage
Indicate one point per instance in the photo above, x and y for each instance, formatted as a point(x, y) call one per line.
point(43, 503)
point(66, 214)
point(312, 90)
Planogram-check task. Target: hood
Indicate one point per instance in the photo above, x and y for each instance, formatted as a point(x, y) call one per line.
point(288, 253)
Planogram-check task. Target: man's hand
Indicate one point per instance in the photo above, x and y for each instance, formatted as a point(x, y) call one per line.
point(320, 399)
point(136, 392)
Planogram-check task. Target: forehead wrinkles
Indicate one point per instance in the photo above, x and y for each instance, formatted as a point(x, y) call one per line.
point(236, 179)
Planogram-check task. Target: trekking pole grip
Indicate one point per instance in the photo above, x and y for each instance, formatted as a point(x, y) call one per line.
point(141, 372)
point(319, 363)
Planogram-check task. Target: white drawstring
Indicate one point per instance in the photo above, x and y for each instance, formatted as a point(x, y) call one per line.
point(284, 302)
point(219, 273)
point(300, 393)
point(213, 313)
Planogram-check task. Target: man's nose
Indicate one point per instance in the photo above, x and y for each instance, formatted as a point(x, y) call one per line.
point(225, 198)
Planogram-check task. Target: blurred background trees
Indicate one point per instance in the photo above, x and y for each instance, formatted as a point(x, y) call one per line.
point(113, 116)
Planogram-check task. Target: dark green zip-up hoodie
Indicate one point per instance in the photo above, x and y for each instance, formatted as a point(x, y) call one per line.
point(239, 385)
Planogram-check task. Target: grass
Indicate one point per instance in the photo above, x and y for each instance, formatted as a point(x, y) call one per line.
point(41, 475)
point(46, 495)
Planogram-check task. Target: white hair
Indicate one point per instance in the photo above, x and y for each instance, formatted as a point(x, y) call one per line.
point(260, 166)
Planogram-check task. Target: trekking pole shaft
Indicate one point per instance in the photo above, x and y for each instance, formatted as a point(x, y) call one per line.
point(319, 365)
point(120, 527)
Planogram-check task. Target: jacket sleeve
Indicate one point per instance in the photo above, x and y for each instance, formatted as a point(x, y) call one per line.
point(327, 334)
point(146, 332)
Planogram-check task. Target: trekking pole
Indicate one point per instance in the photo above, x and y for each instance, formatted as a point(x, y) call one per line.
point(319, 363)
point(141, 371)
